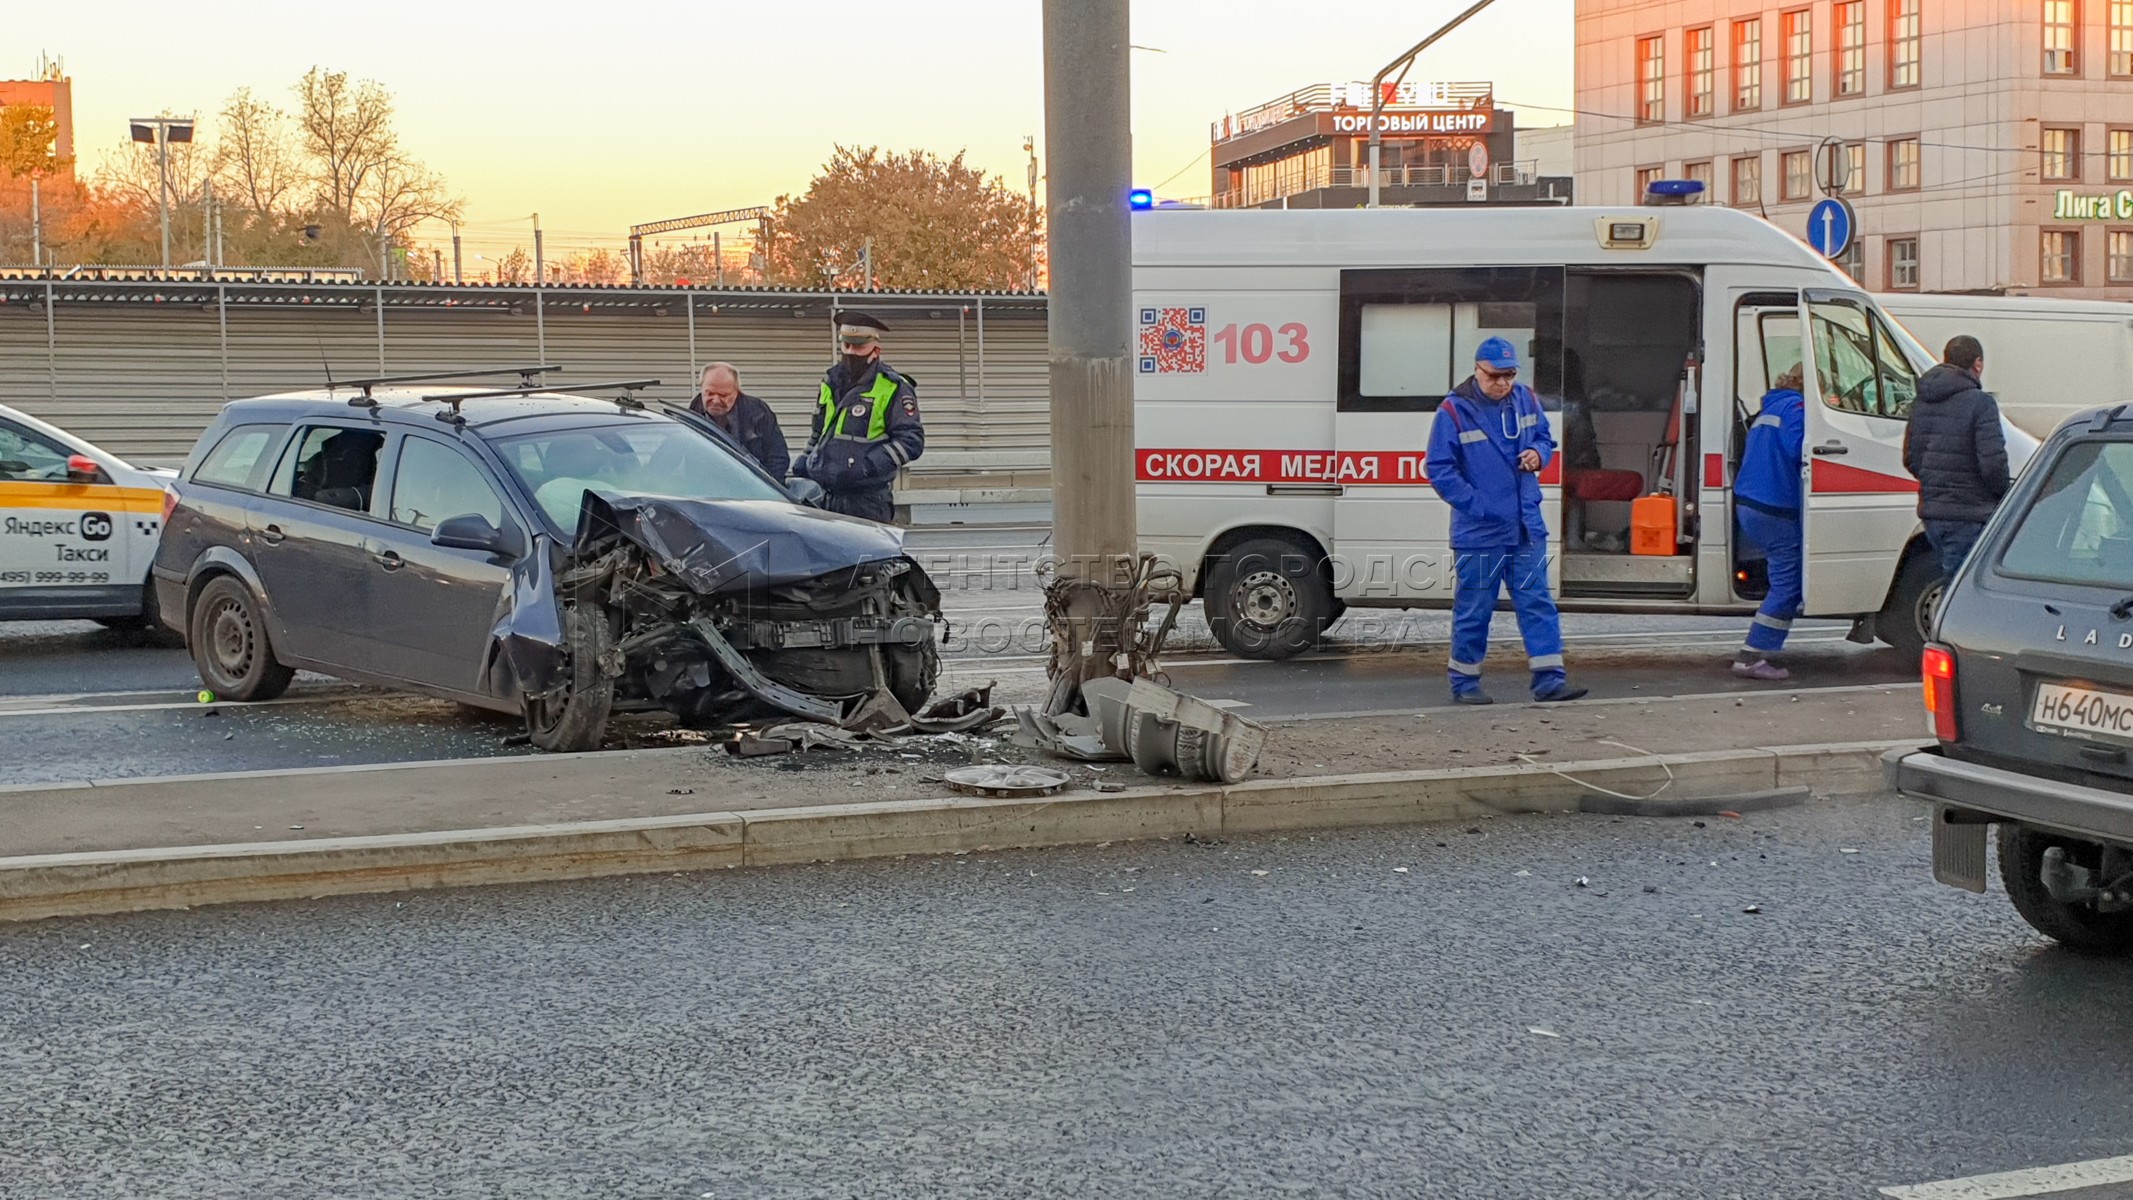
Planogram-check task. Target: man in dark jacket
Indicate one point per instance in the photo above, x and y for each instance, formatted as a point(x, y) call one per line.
point(866, 425)
point(1957, 450)
point(746, 419)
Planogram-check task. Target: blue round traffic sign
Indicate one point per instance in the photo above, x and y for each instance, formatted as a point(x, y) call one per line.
point(1829, 227)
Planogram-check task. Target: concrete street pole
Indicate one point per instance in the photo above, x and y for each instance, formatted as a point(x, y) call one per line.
point(36, 225)
point(1088, 173)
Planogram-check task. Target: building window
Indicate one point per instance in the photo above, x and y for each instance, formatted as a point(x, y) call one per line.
point(1851, 47)
point(2062, 38)
point(2121, 39)
point(1646, 177)
point(1748, 181)
point(2062, 256)
point(1903, 165)
point(1748, 64)
point(1903, 42)
point(1800, 56)
point(1799, 174)
point(1703, 101)
point(1854, 169)
point(1699, 172)
point(2062, 154)
point(2119, 160)
point(1651, 77)
point(2119, 261)
point(1853, 261)
point(1903, 264)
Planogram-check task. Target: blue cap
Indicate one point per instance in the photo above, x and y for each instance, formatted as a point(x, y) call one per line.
point(1497, 353)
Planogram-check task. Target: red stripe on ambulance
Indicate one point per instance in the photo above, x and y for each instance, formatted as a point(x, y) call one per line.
point(1281, 466)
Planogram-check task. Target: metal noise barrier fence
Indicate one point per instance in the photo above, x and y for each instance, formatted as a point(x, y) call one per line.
point(139, 366)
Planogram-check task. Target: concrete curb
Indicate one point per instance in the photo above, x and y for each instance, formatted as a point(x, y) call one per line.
point(51, 885)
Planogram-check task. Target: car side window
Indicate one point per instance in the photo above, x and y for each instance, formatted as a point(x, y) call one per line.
point(240, 459)
point(332, 466)
point(27, 455)
point(434, 482)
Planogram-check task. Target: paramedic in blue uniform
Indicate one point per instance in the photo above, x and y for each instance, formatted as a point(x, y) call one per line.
point(1487, 447)
point(866, 426)
point(1766, 498)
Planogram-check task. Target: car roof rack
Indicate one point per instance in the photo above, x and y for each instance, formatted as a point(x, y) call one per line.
point(366, 400)
point(626, 400)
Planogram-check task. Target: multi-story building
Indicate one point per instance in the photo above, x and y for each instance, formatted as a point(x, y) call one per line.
point(51, 90)
point(1439, 143)
point(1987, 145)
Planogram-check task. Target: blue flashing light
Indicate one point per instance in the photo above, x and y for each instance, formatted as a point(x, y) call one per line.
point(1673, 191)
point(1140, 198)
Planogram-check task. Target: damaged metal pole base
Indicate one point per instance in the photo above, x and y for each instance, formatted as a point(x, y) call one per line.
point(1106, 704)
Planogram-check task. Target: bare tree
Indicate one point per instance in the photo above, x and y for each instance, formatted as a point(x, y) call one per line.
point(347, 130)
point(254, 164)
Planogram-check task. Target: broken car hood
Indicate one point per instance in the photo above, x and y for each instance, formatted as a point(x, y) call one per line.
point(717, 546)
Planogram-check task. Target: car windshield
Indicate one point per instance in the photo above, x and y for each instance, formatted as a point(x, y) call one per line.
point(662, 458)
point(2079, 530)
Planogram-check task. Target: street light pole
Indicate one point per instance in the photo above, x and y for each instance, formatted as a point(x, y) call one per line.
point(1089, 170)
point(1402, 64)
point(163, 131)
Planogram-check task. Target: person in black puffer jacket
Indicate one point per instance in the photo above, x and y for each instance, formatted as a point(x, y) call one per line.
point(1956, 449)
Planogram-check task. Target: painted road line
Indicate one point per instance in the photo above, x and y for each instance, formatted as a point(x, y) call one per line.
point(2012, 1185)
point(77, 710)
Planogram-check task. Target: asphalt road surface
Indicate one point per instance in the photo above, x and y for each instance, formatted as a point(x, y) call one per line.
point(88, 703)
point(1434, 1011)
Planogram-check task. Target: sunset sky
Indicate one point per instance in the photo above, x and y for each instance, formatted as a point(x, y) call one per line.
point(598, 116)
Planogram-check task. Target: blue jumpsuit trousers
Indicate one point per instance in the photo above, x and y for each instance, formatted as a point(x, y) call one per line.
point(1482, 576)
point(1779, 537)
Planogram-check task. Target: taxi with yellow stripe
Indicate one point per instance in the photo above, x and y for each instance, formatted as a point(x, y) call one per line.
point(78, 528)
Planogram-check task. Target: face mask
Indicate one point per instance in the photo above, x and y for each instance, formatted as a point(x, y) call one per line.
point(856, 365)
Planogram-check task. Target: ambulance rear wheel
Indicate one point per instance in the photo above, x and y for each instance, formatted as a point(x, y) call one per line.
point(1267, 599)
point(1908, 614)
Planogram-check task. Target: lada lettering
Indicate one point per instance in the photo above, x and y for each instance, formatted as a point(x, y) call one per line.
point(18, 527)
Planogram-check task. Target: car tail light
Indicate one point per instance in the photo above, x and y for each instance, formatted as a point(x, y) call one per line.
point(1938, 668)
point(170, 503)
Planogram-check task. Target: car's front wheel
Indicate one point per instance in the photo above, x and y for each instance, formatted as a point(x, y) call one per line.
point(229, 644)
point(573, 718)
point(2075, 924)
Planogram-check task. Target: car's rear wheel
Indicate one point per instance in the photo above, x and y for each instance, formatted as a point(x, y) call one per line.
point(1267, 598)
point(230, 647)
point(573, 719)
point(2077, 925)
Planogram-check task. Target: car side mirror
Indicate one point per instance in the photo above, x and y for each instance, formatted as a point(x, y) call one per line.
point(472, 531)
point(806, 491)
point(83, 469)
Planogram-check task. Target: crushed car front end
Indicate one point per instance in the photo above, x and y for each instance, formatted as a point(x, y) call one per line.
point(720, 611)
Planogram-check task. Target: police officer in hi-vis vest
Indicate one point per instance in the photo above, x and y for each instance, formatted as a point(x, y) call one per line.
point(866, 425)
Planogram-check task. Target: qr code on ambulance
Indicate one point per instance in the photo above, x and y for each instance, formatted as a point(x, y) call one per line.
point(1173, 341)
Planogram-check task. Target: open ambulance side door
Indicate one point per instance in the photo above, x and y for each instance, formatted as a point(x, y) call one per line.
point(1861, 505)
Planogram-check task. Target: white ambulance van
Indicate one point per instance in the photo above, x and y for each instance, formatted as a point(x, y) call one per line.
point(1289, 364)
point(78, 528)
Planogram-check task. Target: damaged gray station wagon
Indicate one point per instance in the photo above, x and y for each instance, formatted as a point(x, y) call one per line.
point(557, 556)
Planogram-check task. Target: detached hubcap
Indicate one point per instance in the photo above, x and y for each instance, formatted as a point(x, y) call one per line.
point(1266, 598)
